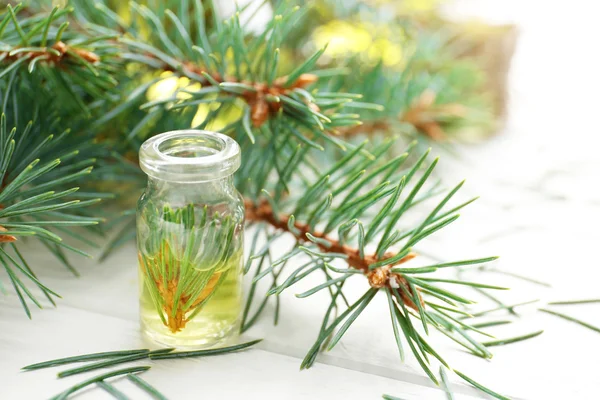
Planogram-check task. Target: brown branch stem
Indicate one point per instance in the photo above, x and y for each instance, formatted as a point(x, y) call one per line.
point(378, 278)
point(61, 52)
point(263, 99)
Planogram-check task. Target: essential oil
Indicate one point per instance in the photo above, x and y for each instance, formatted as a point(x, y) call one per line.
point(190, 240)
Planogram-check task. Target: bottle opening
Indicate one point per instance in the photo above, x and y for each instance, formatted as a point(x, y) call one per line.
point(191, 146)
point(190, 156)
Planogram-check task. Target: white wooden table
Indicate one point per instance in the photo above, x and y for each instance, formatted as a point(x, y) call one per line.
point(540, 210)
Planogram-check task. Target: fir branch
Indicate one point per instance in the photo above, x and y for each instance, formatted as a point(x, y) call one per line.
point(509, 308)
point(263, 212)
point(76, 60)
point(378, 278)
point(264, 100)
point(250, 78)
point(117, 357)
point(37, 193)
point(334, 198)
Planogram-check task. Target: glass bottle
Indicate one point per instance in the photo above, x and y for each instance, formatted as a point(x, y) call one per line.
point(190, 223)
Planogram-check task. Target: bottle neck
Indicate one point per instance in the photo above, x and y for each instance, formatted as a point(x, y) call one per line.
point(197, 192)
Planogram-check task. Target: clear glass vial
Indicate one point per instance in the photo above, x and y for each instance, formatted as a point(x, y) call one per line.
point(190, 223)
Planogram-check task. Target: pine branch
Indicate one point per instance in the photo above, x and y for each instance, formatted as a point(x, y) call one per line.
point(337, 198)
point(249, 80)
point(263, 212)
point(50, 77)
point(378, 278)
point(28, 206)
point(25, 39)
point(263, 99)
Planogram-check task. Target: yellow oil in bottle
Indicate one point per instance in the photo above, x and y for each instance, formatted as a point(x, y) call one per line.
point(211, 316)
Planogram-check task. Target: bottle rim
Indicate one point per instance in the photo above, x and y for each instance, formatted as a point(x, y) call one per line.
point(190, 155)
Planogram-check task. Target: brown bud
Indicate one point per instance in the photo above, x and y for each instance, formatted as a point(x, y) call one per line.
point(302, 81)
point(87, 55)
point(259, 112)
point(378, 277)
point(61, 47)
point(6, 238)
point(305, 80)
point(432, 129)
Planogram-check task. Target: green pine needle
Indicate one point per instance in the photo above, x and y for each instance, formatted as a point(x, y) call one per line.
point(113, 391)
point(145, 386)
point(480, 386)
point(490, 323)
point(390, 397)
point(572, 302)
point(111, 362)
point(572, 319)
point(85, 357)
point(203, 353)
point(446, 384)
point(501, 342)
point(99, 378)
point(503, 307)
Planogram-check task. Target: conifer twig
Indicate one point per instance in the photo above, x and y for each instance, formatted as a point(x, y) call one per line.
point(54, 54)
point(263, 98)
point(378, 278)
